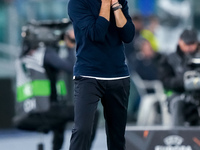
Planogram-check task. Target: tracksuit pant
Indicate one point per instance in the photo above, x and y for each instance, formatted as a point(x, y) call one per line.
point(113, 95)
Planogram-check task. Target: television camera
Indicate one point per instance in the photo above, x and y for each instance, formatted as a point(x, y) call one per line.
point(47, 33)
point(192, 77)
point(192, 91)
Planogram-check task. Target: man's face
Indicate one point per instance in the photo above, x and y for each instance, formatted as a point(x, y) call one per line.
point(187, 49)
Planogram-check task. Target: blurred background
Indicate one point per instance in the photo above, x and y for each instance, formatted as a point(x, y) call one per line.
point(173, 16)
point(164, 18)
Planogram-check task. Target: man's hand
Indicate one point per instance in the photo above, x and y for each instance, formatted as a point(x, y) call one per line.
point(105, 9)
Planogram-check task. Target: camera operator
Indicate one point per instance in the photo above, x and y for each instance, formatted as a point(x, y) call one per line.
point(171, 72)
point(53, 64)
point(54, 60)
point(47, 57)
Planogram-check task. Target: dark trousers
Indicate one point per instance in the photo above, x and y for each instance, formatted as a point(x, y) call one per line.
point(114, 97)
point(59, 130)
point(58, 137)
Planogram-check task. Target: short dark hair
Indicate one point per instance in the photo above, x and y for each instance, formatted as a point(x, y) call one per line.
point(189, 36)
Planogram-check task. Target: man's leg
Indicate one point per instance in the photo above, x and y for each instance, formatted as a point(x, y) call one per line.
point(58, 137)
point(95, 126)
point(85, 105)
point(115, 104)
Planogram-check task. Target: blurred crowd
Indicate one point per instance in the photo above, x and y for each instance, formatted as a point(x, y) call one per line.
point(159, 78)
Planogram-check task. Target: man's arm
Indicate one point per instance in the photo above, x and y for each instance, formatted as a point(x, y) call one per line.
point(105, 9)
point(123, 20)
point(51, 58)
point(119, 16)
point(93, 27)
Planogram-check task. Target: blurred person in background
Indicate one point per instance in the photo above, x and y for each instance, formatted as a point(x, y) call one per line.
point(100, 72)
point(47, 57)
point(66, 46)
point(144, 63)
point(56, 59)
point(144, 66)
point(130, 48)
point(149, 31)
point(144, 31)
point(54, 63)
point(171, 72)
point(142, 56)
point(130, 52)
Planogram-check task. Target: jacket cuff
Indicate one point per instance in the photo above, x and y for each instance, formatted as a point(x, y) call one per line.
point(127, 32)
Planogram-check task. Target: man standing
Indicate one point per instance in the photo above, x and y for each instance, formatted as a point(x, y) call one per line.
point(100, 71)
point(171, 73)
